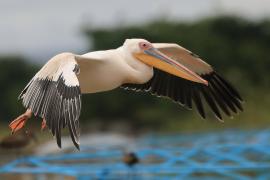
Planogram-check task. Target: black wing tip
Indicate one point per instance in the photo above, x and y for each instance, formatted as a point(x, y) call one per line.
point(203, 116)
point(219, 118)
point(227, 93)
point(188, 107)
point(59, 145)
point(229, 86)
point(77, 145)
point(240, 98)
point(75, 142)
point(19, 97)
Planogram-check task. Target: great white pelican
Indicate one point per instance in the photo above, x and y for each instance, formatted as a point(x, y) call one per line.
point(163, 69)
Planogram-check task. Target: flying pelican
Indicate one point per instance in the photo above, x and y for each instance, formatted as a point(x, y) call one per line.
point(163, 69)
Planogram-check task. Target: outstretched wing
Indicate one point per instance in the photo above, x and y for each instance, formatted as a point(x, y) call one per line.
point(54, 94)
point(219, 94)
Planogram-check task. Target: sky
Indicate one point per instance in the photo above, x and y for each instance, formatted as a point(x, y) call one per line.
point(40, 29)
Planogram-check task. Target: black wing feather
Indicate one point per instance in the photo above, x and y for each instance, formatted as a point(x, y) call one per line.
point(219, 94)
point(58, 103)
point(198, 102)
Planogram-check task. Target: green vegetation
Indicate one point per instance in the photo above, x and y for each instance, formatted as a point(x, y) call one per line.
point(236, 47)
point(15, 72)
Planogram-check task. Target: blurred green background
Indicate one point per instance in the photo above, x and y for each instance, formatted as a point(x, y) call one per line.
point(238, 49)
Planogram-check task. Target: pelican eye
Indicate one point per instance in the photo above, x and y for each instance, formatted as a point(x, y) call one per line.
point(144, 45)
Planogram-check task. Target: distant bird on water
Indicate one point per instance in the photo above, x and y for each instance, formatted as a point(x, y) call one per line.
point(130, 159)
point(163, 69)
point(17, 141)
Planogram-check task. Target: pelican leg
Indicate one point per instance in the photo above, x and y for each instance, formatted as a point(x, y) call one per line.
point(43, 124)
point(20, 121)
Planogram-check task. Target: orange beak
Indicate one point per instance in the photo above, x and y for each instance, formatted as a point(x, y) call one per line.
point(155, 58)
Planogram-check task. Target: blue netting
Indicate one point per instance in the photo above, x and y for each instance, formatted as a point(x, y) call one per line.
point(226, 155)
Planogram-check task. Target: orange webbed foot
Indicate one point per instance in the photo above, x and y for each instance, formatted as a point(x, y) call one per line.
point(43, 124)
point(20, 121)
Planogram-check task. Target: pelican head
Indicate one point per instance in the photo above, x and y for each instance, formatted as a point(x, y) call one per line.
point(144, 51)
